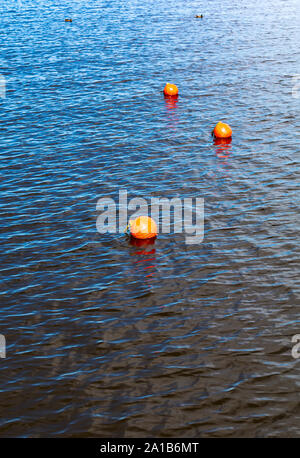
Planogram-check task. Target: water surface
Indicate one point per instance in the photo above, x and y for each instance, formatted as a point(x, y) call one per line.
point(108, 338)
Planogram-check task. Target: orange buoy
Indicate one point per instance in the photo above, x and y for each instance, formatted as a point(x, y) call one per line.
point(170, 89)
point(143, 227)
point(222, 130)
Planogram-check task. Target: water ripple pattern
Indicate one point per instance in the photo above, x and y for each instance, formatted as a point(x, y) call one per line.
point(108, 338)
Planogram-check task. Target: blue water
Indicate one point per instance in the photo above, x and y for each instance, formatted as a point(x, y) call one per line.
point(108, 338)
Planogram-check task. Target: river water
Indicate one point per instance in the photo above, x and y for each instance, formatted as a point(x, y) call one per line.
point(105, 337)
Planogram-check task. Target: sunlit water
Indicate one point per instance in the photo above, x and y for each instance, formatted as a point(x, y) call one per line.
point(107, 338)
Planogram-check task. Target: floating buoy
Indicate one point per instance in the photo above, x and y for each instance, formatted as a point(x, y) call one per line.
point(143, 227)
point(222, 130)
point(170, 89)
point(68, 20)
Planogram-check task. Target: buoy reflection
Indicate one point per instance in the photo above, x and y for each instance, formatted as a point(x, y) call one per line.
point(223, 147)
point(171, 108)
point(145, 257)
point(171, 102)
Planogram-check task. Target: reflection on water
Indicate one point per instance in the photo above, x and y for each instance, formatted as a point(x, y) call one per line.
point(145, 256)
point(110, 336)
point(223, 148)
point(171, 110)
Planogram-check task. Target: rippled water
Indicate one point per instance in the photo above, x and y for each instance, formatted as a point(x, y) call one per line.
point(107, 338)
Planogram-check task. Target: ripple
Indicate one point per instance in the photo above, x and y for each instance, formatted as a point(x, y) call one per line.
point(108, 337)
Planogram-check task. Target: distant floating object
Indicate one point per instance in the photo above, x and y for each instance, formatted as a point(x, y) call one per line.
point(143, 227)
point(170, 89)
point(68, 20)
point(199, 16)
point(222, 130)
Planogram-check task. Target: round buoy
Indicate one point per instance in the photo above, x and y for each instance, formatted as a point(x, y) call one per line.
point(143, 227)
point(170, 89)
point(222, 130)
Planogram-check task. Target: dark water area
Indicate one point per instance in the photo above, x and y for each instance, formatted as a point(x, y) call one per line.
point(108, 338)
